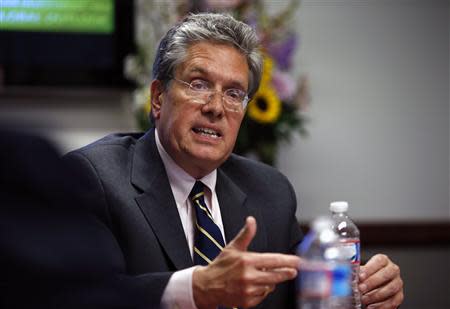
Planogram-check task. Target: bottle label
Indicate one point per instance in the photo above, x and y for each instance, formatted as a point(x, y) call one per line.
point(324, 280)
point(341, 281)
point(315, 280)
point(350, 250)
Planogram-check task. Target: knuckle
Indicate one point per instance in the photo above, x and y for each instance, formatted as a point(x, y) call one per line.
point(245, 278)
point(368, 299)
point(382, 258)
point(396, 269)
point(391, 289)
point(386, 276)
point(398, 285)
point(280, 276)
point(400, 299)
point(369, 285)
point(244, 260)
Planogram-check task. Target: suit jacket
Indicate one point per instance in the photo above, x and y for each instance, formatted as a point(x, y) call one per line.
point(130, 192)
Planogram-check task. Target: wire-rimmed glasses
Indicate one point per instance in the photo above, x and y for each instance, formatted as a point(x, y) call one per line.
point(201, 92)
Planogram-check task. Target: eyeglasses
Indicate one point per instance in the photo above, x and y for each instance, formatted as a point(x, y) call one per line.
point(201, 92)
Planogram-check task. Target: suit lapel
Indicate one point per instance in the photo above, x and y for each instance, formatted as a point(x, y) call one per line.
point(157, 201)
point(234, 208)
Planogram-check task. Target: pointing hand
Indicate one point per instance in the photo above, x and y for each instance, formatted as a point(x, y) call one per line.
point(238, 278)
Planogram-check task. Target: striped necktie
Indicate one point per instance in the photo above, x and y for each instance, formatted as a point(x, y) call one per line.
point(208, 239)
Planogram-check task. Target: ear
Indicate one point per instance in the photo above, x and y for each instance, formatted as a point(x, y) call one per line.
point(156, 90)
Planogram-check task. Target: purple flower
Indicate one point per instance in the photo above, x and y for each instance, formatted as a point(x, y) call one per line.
point(283, 51)
point(284, 85)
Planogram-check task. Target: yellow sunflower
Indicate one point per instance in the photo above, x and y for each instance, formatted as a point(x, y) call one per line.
point(267, 70)
point(265, 107)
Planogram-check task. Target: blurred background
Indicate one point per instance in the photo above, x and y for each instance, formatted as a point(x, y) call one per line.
point(374, 81)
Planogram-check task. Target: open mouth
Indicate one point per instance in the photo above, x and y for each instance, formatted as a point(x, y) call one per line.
point(207, 132)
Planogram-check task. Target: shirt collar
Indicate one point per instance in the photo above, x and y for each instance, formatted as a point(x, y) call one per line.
point(180, 181)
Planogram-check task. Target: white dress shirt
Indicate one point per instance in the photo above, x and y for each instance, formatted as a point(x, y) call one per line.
point(178, 292)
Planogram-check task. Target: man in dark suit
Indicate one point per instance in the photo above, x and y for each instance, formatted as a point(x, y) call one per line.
point(53, 252)
point(144, 186)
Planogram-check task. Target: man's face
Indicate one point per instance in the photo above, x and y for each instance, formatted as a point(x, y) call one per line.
point(199, 138)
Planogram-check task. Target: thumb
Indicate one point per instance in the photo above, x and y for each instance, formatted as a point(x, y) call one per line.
point(245, 236)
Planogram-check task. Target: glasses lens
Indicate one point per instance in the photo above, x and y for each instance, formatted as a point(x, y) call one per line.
point(235, 98)
point(200, 92)
point(199, 85)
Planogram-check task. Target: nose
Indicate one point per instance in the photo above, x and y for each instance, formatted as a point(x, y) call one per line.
point(215, 104)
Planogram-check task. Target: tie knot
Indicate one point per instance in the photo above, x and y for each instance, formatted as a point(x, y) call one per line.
point(197, 191)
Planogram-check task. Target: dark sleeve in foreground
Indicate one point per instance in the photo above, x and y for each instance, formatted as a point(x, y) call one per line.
point(53, 253)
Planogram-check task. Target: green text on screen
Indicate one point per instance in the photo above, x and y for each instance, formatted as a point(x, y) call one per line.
point(86, 16)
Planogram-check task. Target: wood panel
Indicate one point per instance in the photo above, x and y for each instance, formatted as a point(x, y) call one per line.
point(403, 233)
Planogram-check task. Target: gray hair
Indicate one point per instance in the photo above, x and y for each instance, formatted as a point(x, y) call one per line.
point(212, 27)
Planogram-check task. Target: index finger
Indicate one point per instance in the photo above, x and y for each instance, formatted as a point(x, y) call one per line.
point(376, 263)
point(275, 260)
point(245, 235)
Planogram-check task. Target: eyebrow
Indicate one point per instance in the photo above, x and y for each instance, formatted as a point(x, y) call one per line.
point(198, 69)
point(232, 84)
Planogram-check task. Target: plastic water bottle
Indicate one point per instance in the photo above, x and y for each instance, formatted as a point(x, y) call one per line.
point(324, 280)
point(349, 244)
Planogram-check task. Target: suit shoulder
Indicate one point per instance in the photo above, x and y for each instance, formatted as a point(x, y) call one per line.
point(244, 168)
point(108, 144)
point(266, 188)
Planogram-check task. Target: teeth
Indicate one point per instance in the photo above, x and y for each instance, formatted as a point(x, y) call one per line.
point(207, 132)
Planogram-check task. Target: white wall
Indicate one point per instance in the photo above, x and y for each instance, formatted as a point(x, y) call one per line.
point(71, 118)
point(379, 130)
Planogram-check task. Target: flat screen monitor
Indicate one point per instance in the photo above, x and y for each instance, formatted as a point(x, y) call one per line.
point(65, 42)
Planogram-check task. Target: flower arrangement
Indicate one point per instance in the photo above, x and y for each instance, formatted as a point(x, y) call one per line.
point(275, 113)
